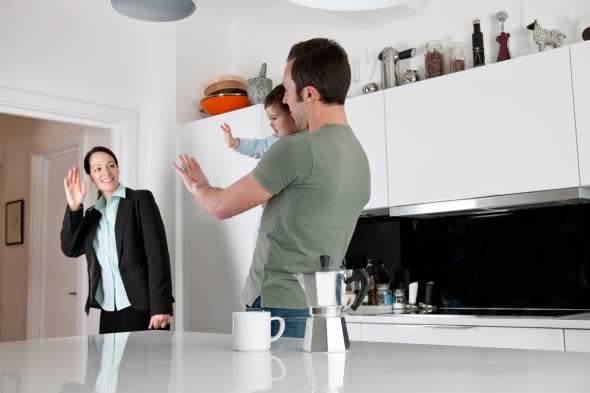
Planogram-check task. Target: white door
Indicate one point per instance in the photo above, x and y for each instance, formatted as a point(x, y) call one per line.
point(60, 312)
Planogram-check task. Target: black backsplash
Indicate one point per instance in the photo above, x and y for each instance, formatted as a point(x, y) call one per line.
point(537, 258)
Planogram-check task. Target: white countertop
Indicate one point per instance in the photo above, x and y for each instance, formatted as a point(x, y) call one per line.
point(576, 321)
point(199, 362)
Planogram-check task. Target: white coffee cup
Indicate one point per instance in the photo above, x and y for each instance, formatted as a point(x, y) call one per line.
point(251, 330)
point(254, 371)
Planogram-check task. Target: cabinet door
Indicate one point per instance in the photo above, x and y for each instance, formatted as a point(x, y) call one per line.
point(581, 84)
point(354, 331)
point(216, 254)
point(468, 336)
point(577, 340)
point(367, 118)
point(504, 128)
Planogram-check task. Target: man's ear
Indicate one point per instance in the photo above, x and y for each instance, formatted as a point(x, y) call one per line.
point(311, 93)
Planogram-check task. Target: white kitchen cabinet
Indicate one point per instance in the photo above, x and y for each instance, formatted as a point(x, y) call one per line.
point(470, 336)
point(366, 117)
point(577, 340)
point(216, 254)
point(504, 128)
point(354, 331)
point(580, 54)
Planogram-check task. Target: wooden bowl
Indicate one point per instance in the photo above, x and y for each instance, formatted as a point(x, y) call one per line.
point(225, 82)
point(216, 104)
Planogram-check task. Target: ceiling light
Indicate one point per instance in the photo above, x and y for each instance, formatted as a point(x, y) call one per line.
point(155, 10)
point(348, 5)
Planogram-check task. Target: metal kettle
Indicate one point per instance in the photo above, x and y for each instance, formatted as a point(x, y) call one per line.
point(325, 328)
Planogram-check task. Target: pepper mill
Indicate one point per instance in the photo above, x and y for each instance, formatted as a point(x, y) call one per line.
point(259, 87)
point(502, 39)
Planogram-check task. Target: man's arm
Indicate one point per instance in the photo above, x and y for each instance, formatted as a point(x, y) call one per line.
point(222, 203)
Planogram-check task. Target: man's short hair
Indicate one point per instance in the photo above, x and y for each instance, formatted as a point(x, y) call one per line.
point(323, 64)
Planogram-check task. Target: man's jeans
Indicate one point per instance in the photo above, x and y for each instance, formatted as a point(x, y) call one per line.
point(294, 319)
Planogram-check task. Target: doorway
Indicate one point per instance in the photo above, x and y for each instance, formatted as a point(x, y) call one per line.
point(121, 127)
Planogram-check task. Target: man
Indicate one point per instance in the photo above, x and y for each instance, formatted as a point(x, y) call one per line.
point(315, 184)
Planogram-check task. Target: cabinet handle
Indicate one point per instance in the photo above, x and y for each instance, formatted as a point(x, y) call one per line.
point(73, 293)
point(448, 326)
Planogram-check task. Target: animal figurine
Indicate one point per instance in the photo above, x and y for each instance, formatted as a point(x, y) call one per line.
point(544, 37)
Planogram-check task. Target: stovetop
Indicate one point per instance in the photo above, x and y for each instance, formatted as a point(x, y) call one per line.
point(538, 312)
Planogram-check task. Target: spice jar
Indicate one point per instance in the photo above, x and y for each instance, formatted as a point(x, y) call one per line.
point(433, 59)
point(457, 58)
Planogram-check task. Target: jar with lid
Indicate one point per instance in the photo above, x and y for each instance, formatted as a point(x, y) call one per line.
point(433, 59)
point(457, 57)
point(399, 300)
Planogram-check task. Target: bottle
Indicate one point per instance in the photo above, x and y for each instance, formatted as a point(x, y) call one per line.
point(383, 292)
point(382, 273)
point(457, 58)
point(477, 43)
point(371, 270)
point(433, 59)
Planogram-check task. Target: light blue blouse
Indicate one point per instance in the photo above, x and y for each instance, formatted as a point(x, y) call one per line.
point(110, 293)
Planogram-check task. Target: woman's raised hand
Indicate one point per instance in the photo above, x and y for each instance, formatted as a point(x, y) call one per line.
point(75, 189)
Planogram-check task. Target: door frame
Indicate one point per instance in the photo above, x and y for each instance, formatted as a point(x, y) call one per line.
point(123, 126)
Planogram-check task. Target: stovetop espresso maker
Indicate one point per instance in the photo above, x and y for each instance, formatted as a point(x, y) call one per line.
point(325, 328)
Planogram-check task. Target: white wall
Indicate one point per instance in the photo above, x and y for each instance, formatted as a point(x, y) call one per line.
point(271, 27)
point(87, 52)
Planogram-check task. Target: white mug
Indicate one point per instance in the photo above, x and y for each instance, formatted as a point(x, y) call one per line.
point(251, 330)
point(254, 371)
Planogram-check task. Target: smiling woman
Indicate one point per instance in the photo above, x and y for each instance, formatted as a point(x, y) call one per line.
point(124, 241)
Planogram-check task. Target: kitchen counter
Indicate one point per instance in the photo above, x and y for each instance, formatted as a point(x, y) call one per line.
point(575, 321)
point(203, 362)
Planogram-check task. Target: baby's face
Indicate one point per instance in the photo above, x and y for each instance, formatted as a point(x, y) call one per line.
point(280, 121)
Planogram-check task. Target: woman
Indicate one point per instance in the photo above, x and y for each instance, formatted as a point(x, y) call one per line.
point(124, 240)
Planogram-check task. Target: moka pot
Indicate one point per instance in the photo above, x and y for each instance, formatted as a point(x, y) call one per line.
point(325, 328)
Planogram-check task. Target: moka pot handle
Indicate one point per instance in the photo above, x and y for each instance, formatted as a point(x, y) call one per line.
point(364, 278)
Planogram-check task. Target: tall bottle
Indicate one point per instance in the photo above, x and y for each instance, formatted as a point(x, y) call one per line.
point(371, 270)
point(477, 43)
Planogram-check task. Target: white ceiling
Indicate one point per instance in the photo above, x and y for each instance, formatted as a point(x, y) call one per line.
point(247, 11)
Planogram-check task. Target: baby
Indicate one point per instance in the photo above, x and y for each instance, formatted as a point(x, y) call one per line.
point(280, 121)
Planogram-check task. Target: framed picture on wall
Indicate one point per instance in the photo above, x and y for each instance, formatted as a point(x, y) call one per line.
point(14, 222)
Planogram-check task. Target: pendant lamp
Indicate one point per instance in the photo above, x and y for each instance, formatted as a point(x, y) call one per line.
point(348, 5)
point(155, 10)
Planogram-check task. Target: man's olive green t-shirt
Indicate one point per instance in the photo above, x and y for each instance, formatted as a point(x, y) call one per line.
point(320, 182)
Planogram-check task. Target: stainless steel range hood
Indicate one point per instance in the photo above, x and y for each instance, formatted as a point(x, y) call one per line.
point(495, 204)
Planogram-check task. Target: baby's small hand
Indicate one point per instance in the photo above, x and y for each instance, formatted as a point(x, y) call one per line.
point(229, 139)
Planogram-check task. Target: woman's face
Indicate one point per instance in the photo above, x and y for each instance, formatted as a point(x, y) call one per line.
point(280, 121)
point(104, 173)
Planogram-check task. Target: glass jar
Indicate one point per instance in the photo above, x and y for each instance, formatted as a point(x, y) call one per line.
point(399, 299)
point(457, 58)
point(384, 294)
point(433, 59)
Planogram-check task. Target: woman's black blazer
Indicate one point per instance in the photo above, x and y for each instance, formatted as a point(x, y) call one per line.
point(144, 260)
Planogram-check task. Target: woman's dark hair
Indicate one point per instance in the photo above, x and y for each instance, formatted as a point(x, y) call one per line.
point(97, 149)
point(275, 97)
